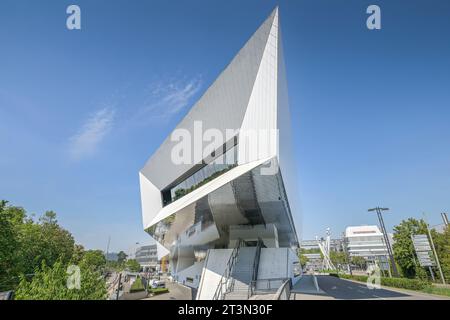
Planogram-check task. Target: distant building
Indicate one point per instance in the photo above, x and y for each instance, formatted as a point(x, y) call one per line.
point(312, 245)
point(309, 245)
point(366, 241)
point(147, 256)
point(440, 228)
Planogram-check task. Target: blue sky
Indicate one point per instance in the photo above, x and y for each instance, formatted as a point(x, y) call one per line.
point(81, 111)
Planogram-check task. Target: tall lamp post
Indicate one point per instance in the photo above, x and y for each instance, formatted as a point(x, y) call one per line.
point(386, 238)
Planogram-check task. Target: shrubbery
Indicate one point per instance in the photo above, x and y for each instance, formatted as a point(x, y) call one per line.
point(334, 274)
point(404, 283)
point(51, 283)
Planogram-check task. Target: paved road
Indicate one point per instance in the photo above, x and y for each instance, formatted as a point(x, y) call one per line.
point(335, 288)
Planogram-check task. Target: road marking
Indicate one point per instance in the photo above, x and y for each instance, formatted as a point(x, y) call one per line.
point(379, 297)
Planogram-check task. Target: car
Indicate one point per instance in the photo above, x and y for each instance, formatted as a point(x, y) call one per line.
point(157, 284)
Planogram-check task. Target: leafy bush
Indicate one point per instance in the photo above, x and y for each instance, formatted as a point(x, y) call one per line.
point(404, 283)
point(137, 286)
point(334, 274)
point(26, 242)
point(133, 265)
point(51, 283)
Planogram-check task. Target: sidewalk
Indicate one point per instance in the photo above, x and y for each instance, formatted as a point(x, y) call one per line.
point(307, 289)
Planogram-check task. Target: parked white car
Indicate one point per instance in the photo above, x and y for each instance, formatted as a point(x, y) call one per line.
point(157, 284)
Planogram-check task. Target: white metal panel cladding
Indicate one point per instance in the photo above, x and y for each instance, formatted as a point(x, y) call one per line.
point(203, 190)
point(150, 200)
point(250, 94)
point(232, 205)
point(285, 147)
point(261, 114)
point(221, 107)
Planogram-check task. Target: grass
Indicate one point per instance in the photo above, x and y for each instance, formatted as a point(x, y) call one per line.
point(156, 291)
point(137, 286)
point(437, 290)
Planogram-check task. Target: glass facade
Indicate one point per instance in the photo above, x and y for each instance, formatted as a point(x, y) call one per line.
point(210, 171)
point(250, 199)
point(147, 255)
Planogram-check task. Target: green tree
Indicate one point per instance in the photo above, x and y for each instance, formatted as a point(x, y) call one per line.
point(359, 261)
point(94, 259)
point(121, 257)
point(40, 251)
point(404, 253)
point(44, 241)
point(442, 244)
point(303, 260)
point(133, 265)
point(9, 244)
point(50, 283)
point(338, 258)
point(78, 253)
point(25, 243)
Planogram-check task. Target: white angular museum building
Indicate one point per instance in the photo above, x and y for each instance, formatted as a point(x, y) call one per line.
point(219, 194)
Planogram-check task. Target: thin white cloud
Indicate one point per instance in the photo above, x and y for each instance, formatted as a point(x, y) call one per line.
point(166, 98)
point(159, 101)
point(86, 141)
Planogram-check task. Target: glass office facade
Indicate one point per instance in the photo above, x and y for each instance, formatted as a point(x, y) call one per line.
point(210, 171)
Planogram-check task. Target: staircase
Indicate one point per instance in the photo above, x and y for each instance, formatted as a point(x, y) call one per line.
point(242, 274)
point(244, 192)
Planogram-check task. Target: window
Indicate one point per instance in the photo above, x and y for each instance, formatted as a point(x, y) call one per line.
point(207, 173)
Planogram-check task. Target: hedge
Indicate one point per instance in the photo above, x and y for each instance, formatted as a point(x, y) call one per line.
point(402, 283)
point(137, 286)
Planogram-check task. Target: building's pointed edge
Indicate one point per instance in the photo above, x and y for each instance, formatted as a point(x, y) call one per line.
point(268, 106)
point(262, 33)
point(284, 123)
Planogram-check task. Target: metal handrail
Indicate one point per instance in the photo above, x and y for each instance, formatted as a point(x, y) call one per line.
point(220, 293)
point(286, 289)
point(255, 268)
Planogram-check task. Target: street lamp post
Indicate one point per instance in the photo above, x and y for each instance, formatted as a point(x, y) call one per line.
point(386, 238)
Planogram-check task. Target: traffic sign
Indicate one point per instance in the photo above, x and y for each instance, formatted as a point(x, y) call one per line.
point(423, 250)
